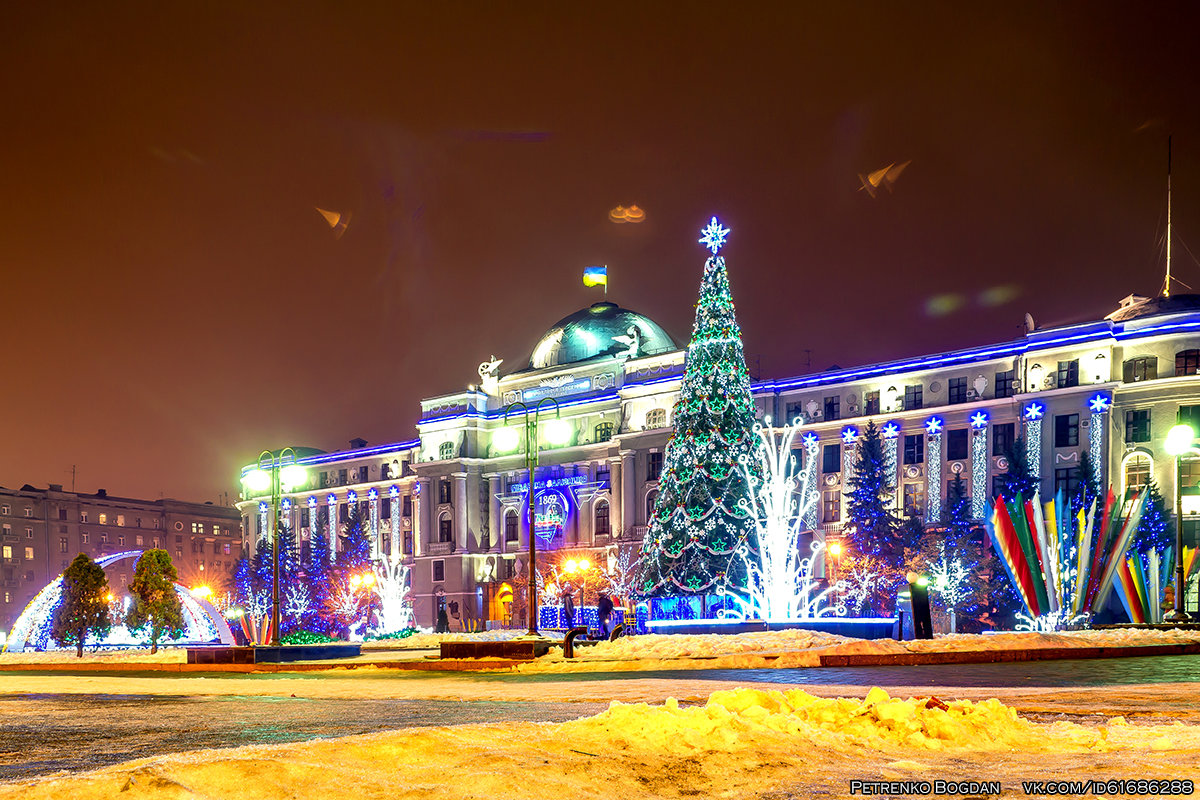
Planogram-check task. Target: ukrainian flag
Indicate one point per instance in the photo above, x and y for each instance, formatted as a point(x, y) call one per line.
point(595, 276)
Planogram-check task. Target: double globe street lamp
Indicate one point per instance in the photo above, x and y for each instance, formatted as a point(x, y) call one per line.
point(276, 473)
point(507, 440)
point(1181, 440)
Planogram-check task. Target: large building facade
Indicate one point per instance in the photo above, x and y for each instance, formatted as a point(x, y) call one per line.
point(456, 507)
point(42, 530)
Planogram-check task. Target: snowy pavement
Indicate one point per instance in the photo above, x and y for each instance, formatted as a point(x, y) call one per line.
point(743, 743)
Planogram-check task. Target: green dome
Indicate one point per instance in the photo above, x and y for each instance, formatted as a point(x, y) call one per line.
point(593, 331)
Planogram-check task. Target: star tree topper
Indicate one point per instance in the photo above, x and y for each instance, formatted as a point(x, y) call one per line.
point(713, 236)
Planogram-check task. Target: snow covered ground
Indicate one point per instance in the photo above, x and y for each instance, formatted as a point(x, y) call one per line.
point(736, 744)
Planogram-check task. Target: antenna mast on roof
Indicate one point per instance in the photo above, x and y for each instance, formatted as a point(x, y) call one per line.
point(1167, 283)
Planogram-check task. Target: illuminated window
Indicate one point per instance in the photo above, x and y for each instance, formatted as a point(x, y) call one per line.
point(443, 490)
point(104, 519)
point(120, 520)
point(604, 431)
point(656, 418)
point(1189, 473)
point(602, 527)
point(831, 506)
point(139, 541)
point(62, 545)
point(29, 554)
point(446, 450)
point(914, 499)
point(1137, 471)
point(7, 551)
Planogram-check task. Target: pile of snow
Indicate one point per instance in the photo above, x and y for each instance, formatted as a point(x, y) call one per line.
point(130, 656)
point(745, 718)
point(426, 640)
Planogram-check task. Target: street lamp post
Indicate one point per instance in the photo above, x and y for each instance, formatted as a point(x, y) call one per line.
point(506, 440)
point(1180, 440)
point(276, 473)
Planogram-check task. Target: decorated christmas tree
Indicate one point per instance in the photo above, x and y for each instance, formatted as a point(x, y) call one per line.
point(874, 529)
point(701, 514)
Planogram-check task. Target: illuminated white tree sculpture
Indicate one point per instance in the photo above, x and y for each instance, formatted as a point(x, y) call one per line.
point(950, 581)
point(392, 589)
point(780, 583)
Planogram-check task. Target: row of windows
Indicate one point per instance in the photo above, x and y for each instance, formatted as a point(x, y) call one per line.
point(914, 397)
point(8, 552)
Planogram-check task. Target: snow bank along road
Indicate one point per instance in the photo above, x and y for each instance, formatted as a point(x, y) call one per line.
point(740, 743)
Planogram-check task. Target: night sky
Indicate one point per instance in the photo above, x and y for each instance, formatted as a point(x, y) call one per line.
point(174, 302)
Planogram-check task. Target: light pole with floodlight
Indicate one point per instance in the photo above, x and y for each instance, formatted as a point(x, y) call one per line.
point(276, 473)
point(1180, 440)
point(508, 439)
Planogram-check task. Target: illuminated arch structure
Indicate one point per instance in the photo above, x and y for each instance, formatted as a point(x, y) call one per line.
point(201, 619)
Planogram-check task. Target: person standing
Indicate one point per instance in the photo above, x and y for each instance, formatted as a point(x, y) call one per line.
point(569, 609)
point(604, 609)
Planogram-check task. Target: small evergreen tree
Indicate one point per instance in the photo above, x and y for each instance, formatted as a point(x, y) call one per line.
point(1089, 487)
point(83, 610)
point(157, 604)
point(318, 571)
point(956, 513)
point(874, 529)
point(1018, 480)
point(356, 546)
point(1154, 531)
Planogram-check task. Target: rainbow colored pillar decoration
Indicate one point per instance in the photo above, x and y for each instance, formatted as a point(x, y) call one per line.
point(1142, 586)
point(1062, 563)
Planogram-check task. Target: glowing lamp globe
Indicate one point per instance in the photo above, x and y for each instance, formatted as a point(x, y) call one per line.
point(1179, 440)
point(257, 480)
point(506, 439)
point(571, 565)
point(558, 431)
point(584, 564)
point(835, 549)
point(293, 476)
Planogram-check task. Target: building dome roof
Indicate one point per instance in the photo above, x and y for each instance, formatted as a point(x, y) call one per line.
point(594, 331)
point(1135, 306)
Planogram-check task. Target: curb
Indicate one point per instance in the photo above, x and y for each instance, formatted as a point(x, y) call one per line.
point(480, 665)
